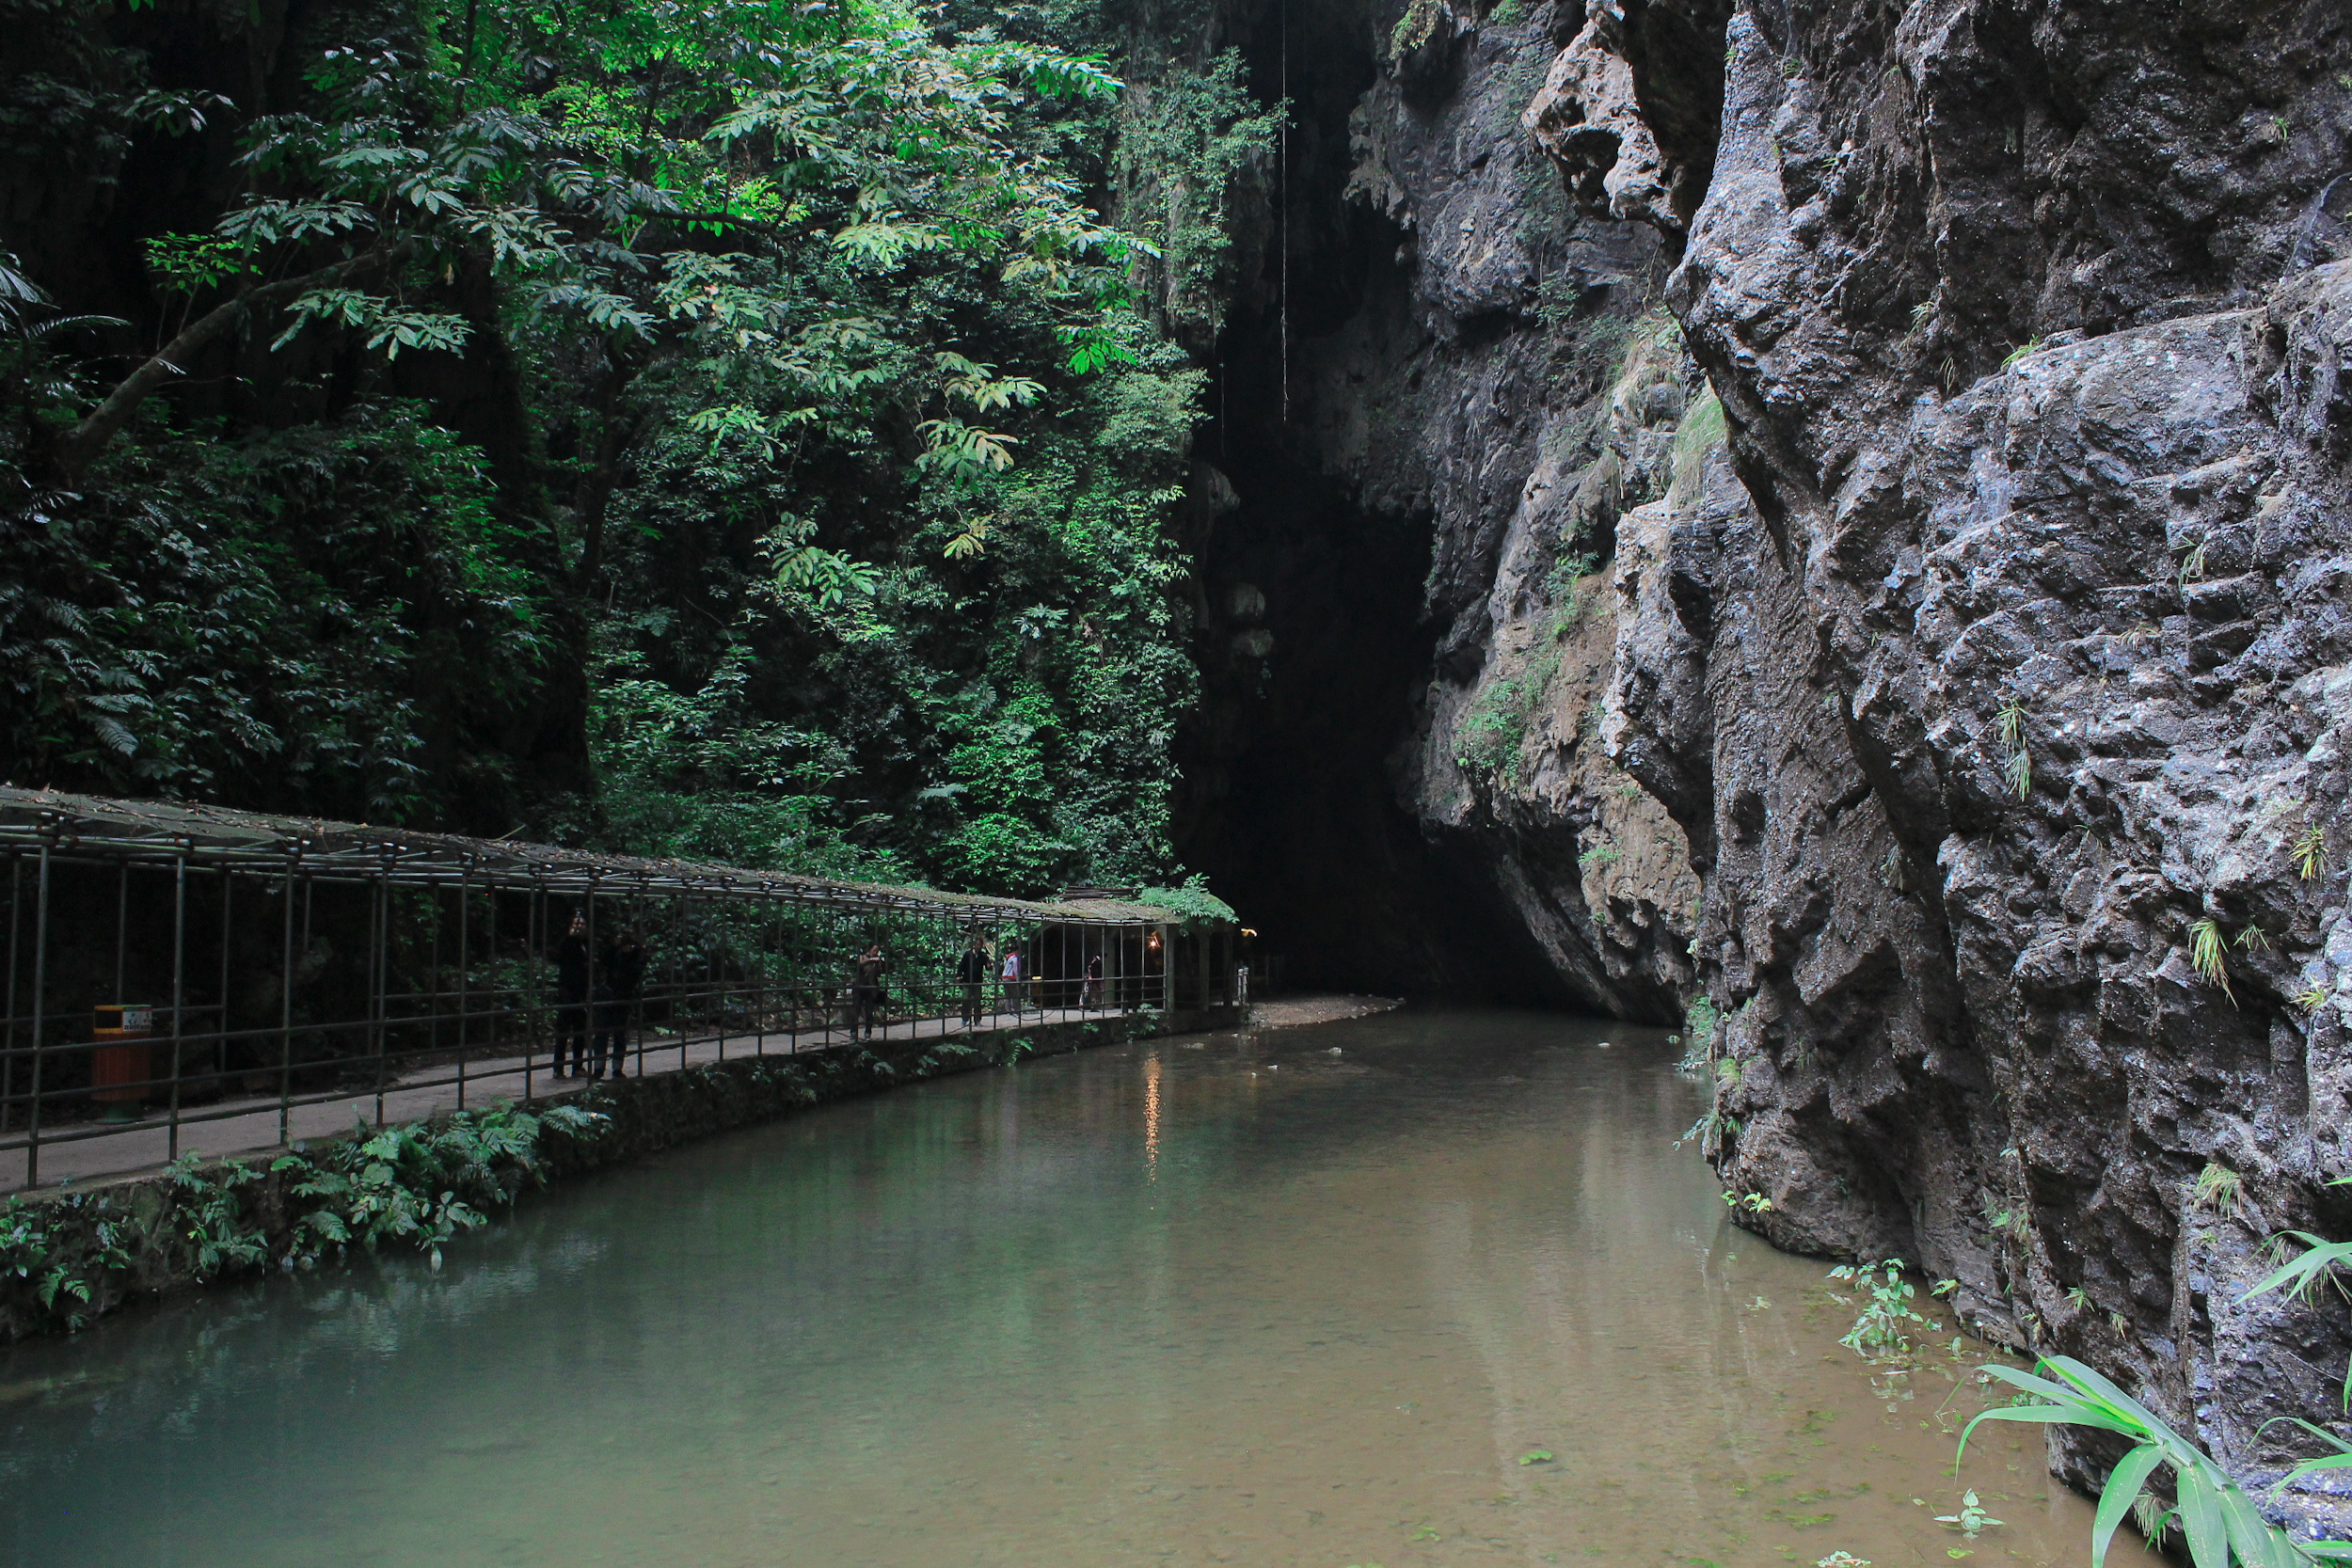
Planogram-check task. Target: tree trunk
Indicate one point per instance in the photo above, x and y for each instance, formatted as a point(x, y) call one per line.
point(614, 435)
point(74, 452)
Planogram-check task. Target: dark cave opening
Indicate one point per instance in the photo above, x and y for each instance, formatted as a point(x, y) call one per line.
point(1290, 794)
point(1317, 645)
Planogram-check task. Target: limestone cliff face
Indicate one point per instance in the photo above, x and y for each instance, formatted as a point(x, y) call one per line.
point(1999, 673)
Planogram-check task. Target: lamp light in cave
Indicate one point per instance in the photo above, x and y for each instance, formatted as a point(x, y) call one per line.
point(1152, 940)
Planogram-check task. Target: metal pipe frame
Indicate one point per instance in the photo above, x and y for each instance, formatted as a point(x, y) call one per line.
point(744, 958)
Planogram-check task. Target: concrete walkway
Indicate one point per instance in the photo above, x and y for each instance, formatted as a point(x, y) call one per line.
point(248, 1127)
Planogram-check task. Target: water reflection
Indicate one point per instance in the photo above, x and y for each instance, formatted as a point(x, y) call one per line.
point(1321, 1319)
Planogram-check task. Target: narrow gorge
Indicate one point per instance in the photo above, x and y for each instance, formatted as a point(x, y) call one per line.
point(1885, 475)
point(1820, 526)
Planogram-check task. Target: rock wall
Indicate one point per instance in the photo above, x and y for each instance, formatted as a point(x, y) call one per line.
point(1928, 646)
point(1998, 670)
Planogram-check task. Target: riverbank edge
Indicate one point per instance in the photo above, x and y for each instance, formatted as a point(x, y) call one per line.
point(141, 1218)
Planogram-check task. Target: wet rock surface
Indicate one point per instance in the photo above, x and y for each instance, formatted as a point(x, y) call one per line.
point(1999, 671)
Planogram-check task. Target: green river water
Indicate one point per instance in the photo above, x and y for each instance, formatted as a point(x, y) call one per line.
point(1304, 1296)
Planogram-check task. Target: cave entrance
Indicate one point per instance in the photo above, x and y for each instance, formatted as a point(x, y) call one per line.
point(1315, 647)
point(1314, 658)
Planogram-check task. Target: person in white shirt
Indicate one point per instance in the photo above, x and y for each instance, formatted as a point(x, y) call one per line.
point(1011, 975)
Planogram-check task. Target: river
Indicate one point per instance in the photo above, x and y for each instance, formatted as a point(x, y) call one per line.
point(1311, 1296)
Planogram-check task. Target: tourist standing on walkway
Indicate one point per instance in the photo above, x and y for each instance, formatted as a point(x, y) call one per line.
point(622, 972)
point(1009, 977)
point(1090, 994)
point(573, 968)
point(972, 974)
point(866, 994)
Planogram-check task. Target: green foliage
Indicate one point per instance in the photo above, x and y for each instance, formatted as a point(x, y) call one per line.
point(1573, 588)
point(697, 775)
point(190, 263)
point(1417, 27)
point(2017, 771)
point(1972, 1517)
point(1490, 737)
point(1881, 1329)
point(2208, 953)
point(212, 1217)
point(2218, 1189)
point(1197, 153)
point(2220, 1523)
point(337, 618)
point(812, 504)
point(1193, 902)
point(2310, 850)
point(421, 1184)
point(1701, 431)
point(1698, 1028)
point(2302, 1275)
point(36, 1240)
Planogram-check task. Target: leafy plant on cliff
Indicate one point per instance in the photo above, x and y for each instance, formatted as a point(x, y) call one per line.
point(1194, 164)
point(2218, 1190)
point(1417, 27)
point(1488, 739)
point(2218, 1521)
point(1698, 1028)
point(1702, 431)
point(2018, 768)
point(2310, 850)
point(2208, 953)
point(1573, 588)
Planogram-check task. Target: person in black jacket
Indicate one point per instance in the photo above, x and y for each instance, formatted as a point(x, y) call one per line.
point(865, 994)
point(972, 973)
point(623, 973)
point(572, 980)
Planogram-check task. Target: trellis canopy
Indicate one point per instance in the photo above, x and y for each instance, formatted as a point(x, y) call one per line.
point(162, 832)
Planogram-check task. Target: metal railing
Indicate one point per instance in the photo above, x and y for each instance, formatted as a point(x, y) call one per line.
point(252, 985)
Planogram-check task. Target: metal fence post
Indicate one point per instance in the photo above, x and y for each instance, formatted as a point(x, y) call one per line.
point(41, 978)
point(7, 1036)
point(123, 922)
point(285, 1012)
point(465, 955)
point(179, 990)
point(380, 979)
point(220, 1028)
point(534, 939)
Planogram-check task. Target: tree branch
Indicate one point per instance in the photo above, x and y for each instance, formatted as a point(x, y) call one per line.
point(75, 451)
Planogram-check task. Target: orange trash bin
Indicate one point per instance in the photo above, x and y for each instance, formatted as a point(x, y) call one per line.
point(119, 1059)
